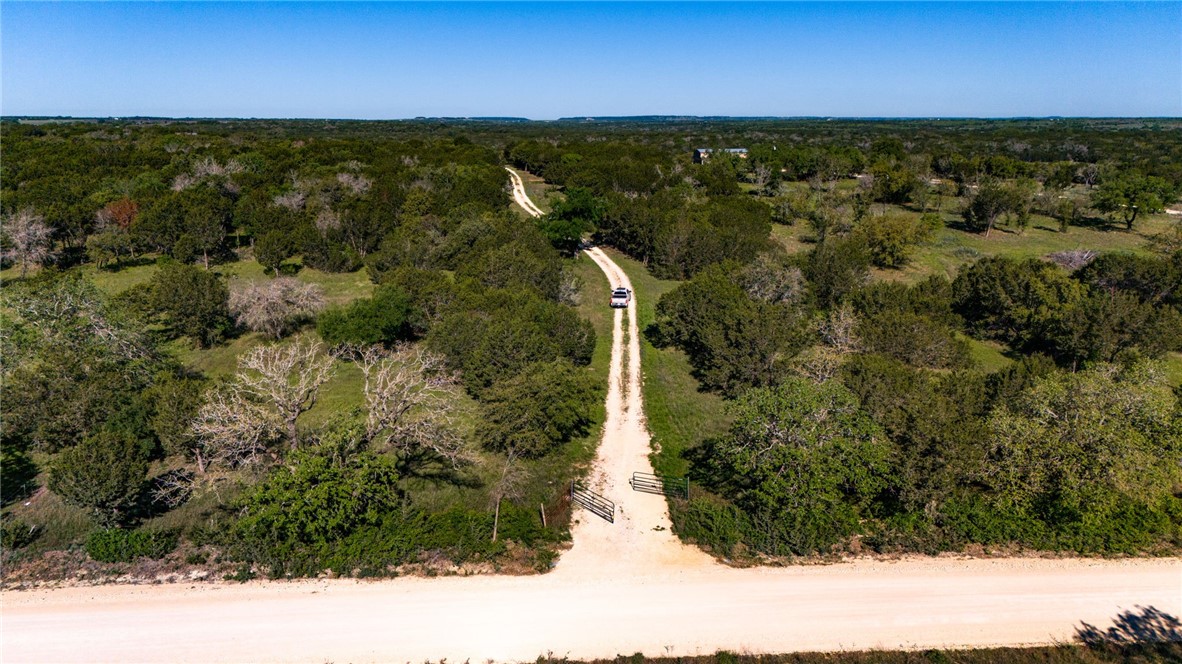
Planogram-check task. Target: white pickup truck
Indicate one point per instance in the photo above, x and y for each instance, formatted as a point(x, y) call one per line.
point(621, 297)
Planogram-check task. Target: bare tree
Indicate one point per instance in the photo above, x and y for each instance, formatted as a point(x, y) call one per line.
point(292, 200)
point(770, 280)
point(838, 332)
point(1168, 241)
point(28, 238)
point(173, 488)
point(232, 429)
point(354, 182)
point(205, 169)
point(286, 378)
point(761, 175)
point(509, 484)
point(570, 288)
point(327, 220)
point(1072, 260)
point(410, 397)
point(275, 307)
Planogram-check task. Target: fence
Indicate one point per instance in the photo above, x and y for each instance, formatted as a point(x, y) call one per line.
point(661, 484)
point(597, 504)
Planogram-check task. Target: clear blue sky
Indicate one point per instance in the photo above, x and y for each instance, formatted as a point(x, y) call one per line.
point(543, 61)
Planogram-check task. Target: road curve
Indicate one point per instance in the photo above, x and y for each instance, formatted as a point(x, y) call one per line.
point(623, 588)
point(519, 195)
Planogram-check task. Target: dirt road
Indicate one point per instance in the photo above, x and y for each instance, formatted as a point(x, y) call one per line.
point(910, 604)
point(640, 541)
point(519, 195)
point(623, 588)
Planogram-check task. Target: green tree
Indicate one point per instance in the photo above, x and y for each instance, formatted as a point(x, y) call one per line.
point(984, 207)
point(73, 360)
point(803, 460)
point(836, 268)
point(1126, 194)
point(194, 302)
point(492, 335)
point(914, 339)
point(572, 218)
point(1012, 300)
point(535, 411)
point(893, 182)
point(1104, 325)
point(892, 238)
point(1153, 279)
point(733, 342)
point(383, 318)
point(935, 421)
point(19, 473)
point(175, 401)
point(1079, 437)
point(103, 475)
point(272, 249)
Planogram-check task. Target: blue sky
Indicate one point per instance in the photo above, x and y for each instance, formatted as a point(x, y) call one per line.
point(544, 61)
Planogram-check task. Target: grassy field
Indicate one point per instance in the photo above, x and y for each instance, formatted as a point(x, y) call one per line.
point(951, 247)
point(342, 392)
point(680, 416)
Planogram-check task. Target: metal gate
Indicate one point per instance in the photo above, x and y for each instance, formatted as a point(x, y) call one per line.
point(677, 487)
point(597, 504)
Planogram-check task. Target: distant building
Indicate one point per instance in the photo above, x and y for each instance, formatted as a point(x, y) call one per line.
point(703, 154)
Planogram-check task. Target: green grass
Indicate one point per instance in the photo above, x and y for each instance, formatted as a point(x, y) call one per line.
point(952, 248)
point(338, 288)
point(988, 355)
point(680, 416)
point(1174, 368)
point(61, 524)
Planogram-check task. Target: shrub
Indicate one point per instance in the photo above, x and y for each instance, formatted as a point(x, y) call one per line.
point(123, 546)
point(104, 475)
point(709, 522)
point(383, 318)
point(891, 238)
point(16, 534)
point(193, 302)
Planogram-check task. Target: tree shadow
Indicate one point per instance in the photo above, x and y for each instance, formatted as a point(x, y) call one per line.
point(162, 493)
point(288, 269)
point(1141, 628)
point(20, 477)
point(124, 263)
point(654, 335)
point(427, 465)
point(702, 469)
